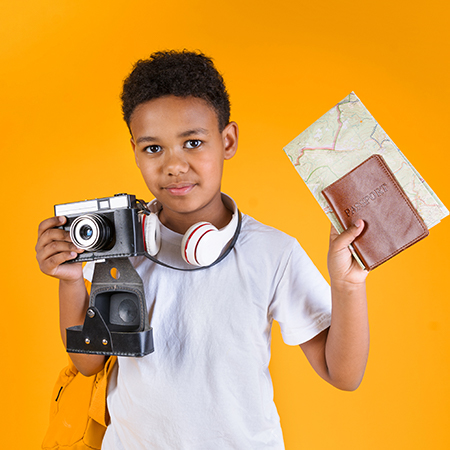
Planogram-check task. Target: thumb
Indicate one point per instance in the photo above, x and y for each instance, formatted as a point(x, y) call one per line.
point(349, 235)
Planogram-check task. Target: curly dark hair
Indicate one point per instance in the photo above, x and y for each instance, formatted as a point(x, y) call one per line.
point(180, 73)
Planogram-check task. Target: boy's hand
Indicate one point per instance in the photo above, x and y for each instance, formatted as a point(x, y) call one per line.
point(54, 247)
point(342, 267)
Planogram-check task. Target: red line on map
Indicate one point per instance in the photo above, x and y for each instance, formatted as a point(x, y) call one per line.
point(340, 126)
point(324, 148)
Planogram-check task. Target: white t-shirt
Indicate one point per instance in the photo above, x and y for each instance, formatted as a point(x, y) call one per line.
point(207, 385)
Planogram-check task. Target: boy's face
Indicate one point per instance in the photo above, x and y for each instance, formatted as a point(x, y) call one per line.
point(180, 151)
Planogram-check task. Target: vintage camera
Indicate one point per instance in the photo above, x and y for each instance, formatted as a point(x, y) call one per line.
point(104, 227)
point(109, 230)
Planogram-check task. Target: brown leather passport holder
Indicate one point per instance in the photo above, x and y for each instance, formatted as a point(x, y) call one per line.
point(372, 193)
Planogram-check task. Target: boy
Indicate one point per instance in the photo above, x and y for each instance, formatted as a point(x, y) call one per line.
point(207, 384)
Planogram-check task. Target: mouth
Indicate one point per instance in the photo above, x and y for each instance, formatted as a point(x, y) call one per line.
point(180, 188)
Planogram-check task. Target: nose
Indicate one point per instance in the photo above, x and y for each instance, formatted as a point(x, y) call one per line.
point(175, 163)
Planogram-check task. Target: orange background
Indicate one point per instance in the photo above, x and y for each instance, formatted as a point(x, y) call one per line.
point(286, 63)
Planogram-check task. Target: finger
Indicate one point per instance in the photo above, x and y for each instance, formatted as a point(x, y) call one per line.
point(348, 236)
point(55, 247)
point(51, 265)
point(52, 222)
point(56, 234)
point(52, 234)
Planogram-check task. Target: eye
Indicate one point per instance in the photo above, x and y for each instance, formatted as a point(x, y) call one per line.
point(193, 143)
point(152, 149)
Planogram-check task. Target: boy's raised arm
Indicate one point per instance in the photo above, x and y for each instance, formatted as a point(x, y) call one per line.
point(53, 248)
point(339, 354)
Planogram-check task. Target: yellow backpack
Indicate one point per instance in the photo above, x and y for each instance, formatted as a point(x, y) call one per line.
point(78, 412)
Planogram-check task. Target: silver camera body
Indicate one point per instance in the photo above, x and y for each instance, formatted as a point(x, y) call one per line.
point(108, 227)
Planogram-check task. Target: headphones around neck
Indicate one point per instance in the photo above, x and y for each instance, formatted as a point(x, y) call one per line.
point(202, 244)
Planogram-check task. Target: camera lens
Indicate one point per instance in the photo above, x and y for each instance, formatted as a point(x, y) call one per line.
point(91, 232)
point(86, 232)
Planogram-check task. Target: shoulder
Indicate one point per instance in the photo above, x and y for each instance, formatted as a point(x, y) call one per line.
point(261, 241)
point(255, 231)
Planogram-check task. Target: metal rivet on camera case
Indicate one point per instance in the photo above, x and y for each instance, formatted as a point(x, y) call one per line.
point(105, 342)
point(90, 313)
point(87, 341)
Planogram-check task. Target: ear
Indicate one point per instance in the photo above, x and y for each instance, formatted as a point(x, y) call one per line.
point(133, 145)
point(230, 135)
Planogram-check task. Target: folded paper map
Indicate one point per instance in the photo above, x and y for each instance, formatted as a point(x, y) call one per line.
point(342, 139)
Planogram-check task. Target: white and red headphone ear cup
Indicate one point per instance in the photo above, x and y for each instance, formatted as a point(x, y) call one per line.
point(152, 233)
point(201, 244)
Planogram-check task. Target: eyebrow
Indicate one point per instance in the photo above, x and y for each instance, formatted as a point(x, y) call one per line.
point(145, 139)
point(194, 131)
point(184, 134)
